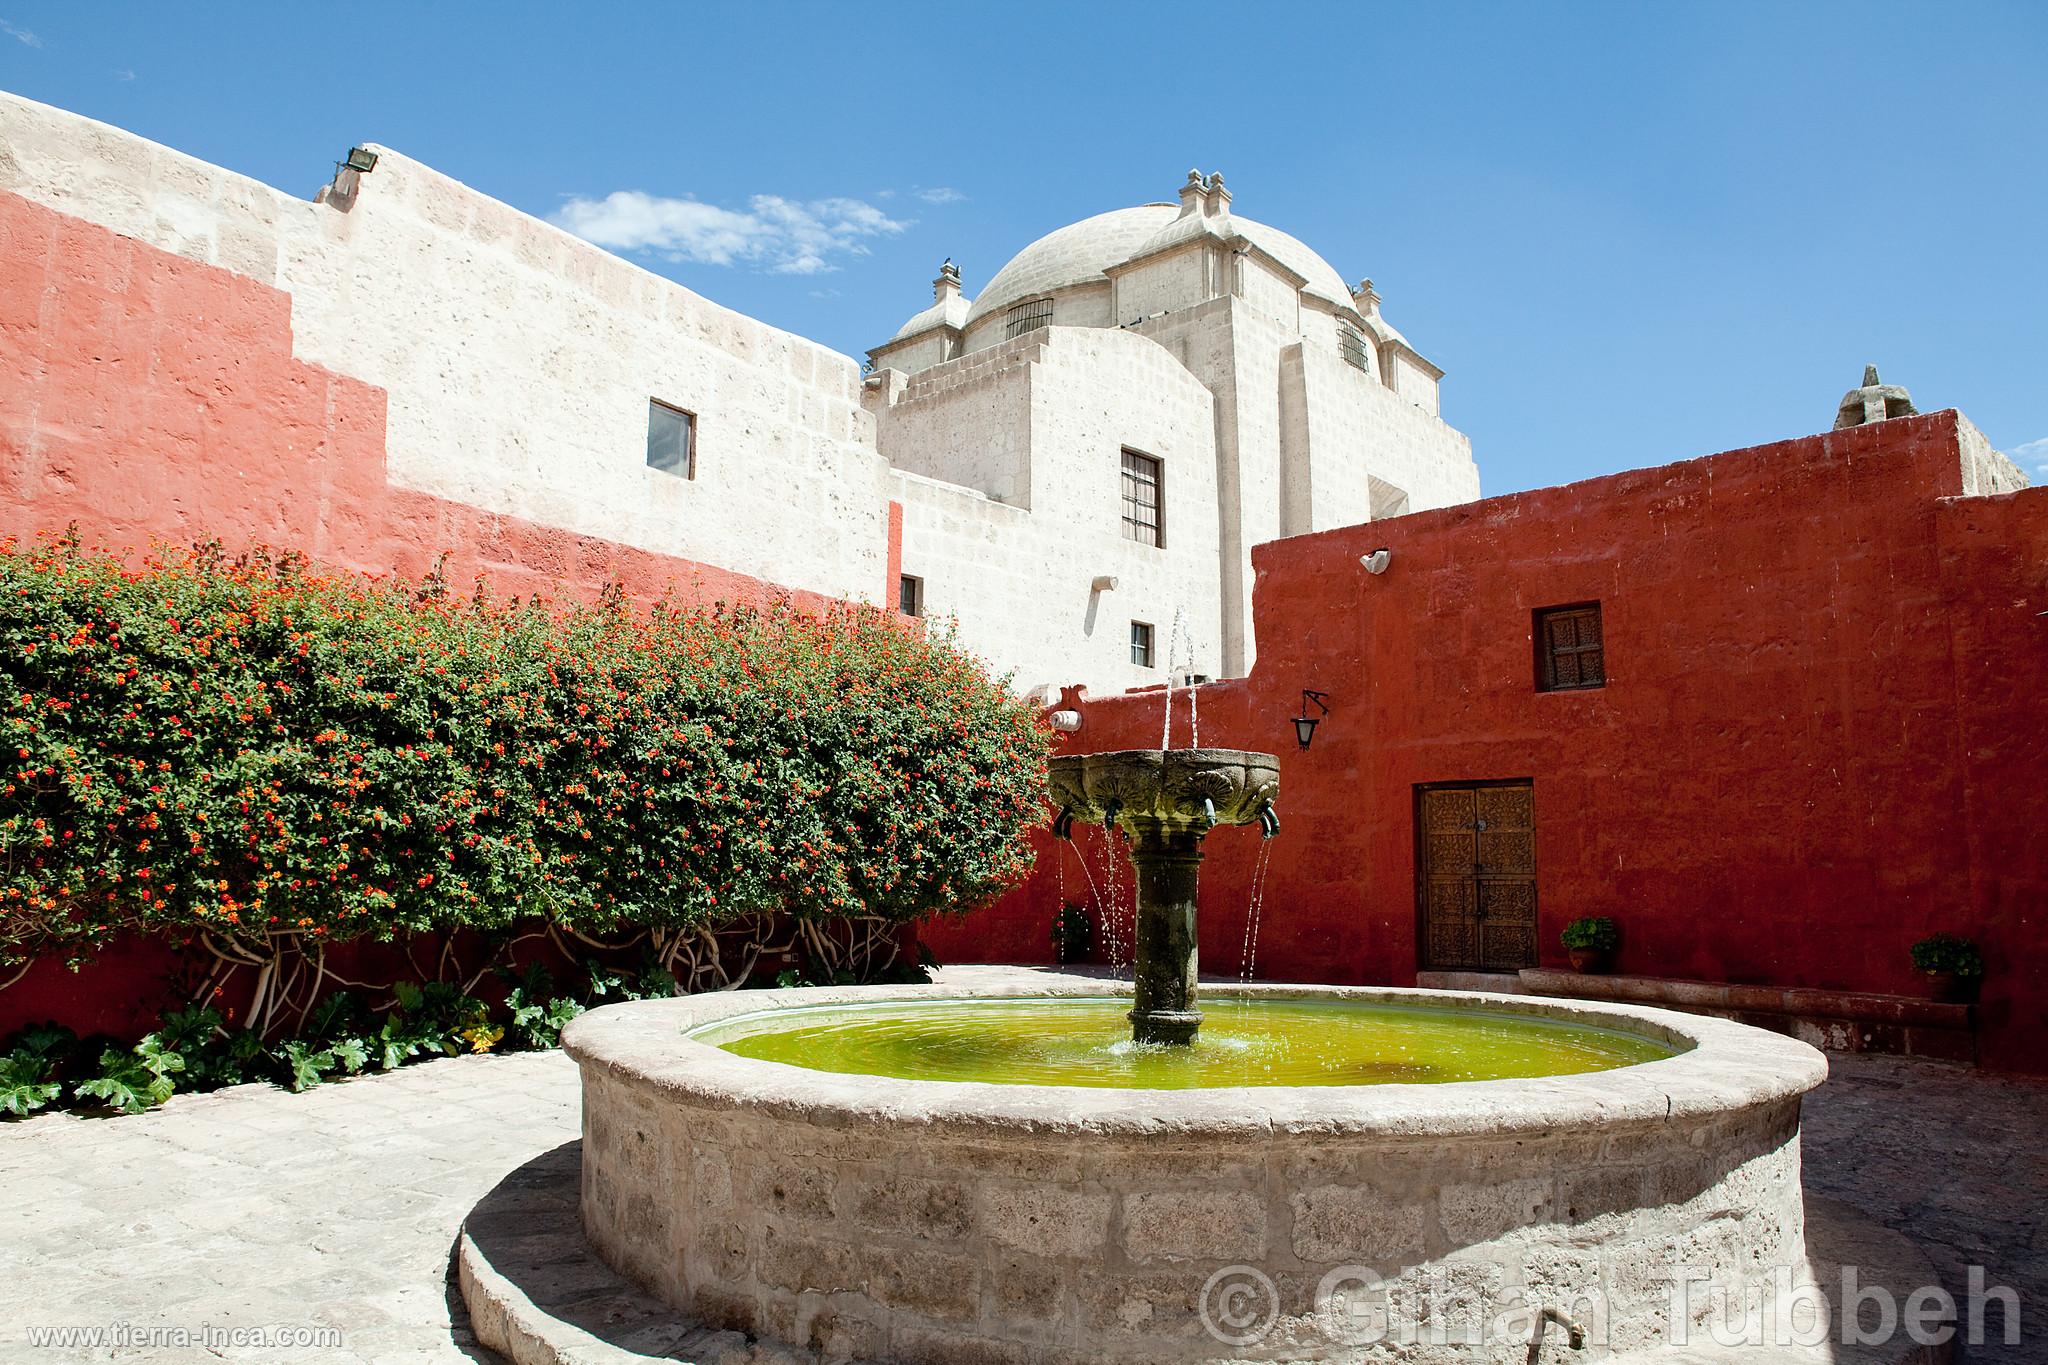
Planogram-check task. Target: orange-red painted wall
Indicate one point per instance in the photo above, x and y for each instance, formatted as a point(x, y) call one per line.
point(147, 397)
point(1824, 735)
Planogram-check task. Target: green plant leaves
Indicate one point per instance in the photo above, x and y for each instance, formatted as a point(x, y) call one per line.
point(135, 1080)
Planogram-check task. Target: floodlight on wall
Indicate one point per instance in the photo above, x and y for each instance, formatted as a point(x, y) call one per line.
point(1105, 582)
point(1376, 562)
point(1305, 724)
point(349, 171)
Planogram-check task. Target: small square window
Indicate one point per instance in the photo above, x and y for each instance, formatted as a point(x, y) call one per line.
point(671, 439)
point(910, 595)
point(1144, 513)
point(1570, 654)
point(1141, 643)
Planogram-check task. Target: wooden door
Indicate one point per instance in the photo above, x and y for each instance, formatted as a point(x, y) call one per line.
point(1476, 876)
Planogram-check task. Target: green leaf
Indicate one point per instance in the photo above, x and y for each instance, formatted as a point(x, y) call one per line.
point(24, 1083)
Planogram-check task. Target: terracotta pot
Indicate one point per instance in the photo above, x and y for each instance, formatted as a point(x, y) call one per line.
point(1591, 961)
point(1950, 989)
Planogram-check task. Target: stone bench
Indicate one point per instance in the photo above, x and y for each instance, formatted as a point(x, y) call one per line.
point(1835, 1021)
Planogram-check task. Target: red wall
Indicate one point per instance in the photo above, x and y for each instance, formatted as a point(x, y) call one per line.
point(147, 397)
point(1824, 734)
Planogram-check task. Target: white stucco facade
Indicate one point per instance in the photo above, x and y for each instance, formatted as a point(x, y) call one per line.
point(519, 362)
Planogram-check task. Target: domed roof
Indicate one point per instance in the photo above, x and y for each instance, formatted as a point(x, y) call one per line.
point(1075, 254)
point(1080, 252)
point(951, 312)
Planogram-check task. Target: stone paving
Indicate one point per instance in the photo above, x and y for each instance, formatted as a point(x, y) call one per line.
point(337, 1209)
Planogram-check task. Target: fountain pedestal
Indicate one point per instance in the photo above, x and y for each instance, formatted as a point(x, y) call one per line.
point(1166, 800)
point(1169, 864)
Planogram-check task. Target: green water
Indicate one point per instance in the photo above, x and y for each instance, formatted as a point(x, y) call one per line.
point(1086, 1041)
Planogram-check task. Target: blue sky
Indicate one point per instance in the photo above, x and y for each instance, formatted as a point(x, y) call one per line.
point(1631, 233)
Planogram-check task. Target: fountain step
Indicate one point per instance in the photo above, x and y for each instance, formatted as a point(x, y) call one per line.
point(538, 1295)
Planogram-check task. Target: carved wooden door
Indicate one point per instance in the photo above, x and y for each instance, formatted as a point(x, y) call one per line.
point(1476, 876)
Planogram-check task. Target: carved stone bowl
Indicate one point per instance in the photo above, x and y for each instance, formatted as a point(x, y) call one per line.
point(1165, 787)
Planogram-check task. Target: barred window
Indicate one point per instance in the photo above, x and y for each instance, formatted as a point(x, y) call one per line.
point(1351, 345)
point(1027, 317)
point(1569, 653)
point(671, 439)
point(1141, 643)
point(1144, 514)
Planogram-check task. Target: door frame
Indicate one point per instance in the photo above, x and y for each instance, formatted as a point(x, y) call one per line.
point(1420, 855)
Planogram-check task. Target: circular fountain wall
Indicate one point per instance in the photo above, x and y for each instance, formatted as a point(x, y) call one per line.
point(928, 1221)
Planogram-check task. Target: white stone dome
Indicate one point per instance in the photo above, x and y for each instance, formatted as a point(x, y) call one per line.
point(1080, 252)
point(950, 312)
point(1075, 254)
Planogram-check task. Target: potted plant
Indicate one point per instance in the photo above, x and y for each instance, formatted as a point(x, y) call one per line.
point(1590, 942)
point(1953, 966)
point(1073, 934)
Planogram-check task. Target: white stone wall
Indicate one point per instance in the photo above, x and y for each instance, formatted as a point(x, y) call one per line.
point(1178, 279)
point(518, 360)
point(1270, 295)
point(1019, 581)
point(1344, 429)
point(914, 354)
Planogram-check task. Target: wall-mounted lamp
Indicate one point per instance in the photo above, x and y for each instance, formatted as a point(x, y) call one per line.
point(361, 159)
point(1104, 582)
point(1305, 724)
point(1376, 562)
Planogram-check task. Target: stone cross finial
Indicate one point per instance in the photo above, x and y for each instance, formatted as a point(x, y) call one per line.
point(1875, 401)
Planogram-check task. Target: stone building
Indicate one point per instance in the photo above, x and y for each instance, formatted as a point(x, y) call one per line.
point(1134, 401)
point(1217, 368)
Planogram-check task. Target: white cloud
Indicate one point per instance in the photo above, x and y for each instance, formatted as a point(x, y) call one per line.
point(20, 35)
point(124, 74)
point(2033, 453)
point(786, 236)
point(940, 194)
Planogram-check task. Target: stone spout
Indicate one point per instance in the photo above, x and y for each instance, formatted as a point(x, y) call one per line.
point(1167, 800)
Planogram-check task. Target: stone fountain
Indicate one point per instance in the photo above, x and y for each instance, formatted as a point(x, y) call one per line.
point(1166, 800)
point(858, 1212)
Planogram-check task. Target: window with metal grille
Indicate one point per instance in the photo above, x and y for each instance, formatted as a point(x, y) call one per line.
point(1569, 655)
point(1144, 514)
point(1351, 345)
point(671, 439)
point(910, 595)
point(1027, 317)
point(1141, 643)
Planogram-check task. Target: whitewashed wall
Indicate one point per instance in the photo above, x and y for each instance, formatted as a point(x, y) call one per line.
point(1019, 581)
point(518, 359)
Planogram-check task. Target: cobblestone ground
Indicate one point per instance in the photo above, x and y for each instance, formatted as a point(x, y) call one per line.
point(252, 1208)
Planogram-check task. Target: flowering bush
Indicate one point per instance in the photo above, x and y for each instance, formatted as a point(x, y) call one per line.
point(261, 759)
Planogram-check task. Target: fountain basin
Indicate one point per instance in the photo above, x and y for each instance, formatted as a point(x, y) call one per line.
point(926, 1221)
